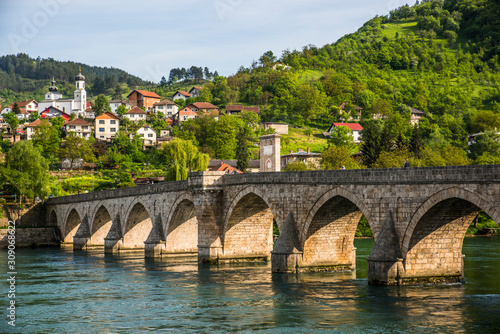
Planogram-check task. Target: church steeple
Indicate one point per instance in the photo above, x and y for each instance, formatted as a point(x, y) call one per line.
point(53, 88)
point(80, 77)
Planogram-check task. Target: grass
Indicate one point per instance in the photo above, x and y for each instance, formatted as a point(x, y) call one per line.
point(301, 138)
point(401, 27)
point(310, 75)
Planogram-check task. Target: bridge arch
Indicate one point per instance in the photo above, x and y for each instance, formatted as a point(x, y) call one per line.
point(248, 225)
point(52, 221)
point(100, 224)
point(327, 238)
point(71, 224)
point(432, 244)
point(137, 226)
point(181, 226)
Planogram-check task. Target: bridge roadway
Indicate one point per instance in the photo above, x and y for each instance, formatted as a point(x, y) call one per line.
point(419, 217)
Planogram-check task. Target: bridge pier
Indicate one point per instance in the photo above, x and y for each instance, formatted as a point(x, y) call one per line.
point(112, 245)
point(80, 243)
point(209, 254)
point(154, 248)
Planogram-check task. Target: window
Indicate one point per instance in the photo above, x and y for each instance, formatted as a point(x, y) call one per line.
point(150, 135)
point(101, 129)
point(85, 127)
point(160, 107)
point(112, 130)
point(140, 116)
point(71, 126)
point(169, 107)
point(112, 121)
point(101, 136)
point(101, 121)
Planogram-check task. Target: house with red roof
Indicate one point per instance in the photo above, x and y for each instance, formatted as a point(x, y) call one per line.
point(195, 91)
point(202, 107)
point(167, 107)
point(354, 127)
point(80, 127)
point(135, 114)
point(181, 95)
point(31, 128)
point(224, 167)
point(235, 109)
point(52, 112)
point(142, 98)
point(106, 126)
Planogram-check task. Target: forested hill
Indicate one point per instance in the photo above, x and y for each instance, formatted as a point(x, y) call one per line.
point(25, 77)
point(438, 57)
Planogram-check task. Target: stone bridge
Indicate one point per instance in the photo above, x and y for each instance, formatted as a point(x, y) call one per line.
point(418, 216)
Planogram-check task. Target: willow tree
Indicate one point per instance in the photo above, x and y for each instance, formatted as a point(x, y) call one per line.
point(182, 156)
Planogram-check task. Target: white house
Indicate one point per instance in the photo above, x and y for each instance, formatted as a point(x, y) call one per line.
point(167, 107)
point(114, 104)
point(81, 127)
point(106, 126)
point(148, 136)
point(135, 114)
point(75, 105)
point(195, 91)
point(416, 116)
point(180, 95)
point(31, 128)
point(354, 127)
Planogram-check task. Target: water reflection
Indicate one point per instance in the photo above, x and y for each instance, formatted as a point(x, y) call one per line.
point(87, 292)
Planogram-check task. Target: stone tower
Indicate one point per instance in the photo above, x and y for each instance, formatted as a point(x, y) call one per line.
point(270, 157)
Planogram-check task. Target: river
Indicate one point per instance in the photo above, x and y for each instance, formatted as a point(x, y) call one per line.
point(61, 291)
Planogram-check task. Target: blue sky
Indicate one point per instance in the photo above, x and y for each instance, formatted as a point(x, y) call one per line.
point(147, 38)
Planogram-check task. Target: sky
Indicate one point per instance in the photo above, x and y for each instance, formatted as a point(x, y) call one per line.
point(147, 38)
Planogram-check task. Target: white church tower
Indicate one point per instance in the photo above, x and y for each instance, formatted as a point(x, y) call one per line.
point(80, 95)
point(53, 94)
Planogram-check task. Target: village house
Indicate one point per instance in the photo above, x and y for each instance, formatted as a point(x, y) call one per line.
point(53, 112)
point(224, 167)
point(23, 114)
point(353, 110)
point(300, 155)
point(114, 104)
point(205, 107)
point(235, 109)
point(416, 116)
point(142, 98)
point(147, 135)
point(221, 165)
point(106, 126)
point(167, 107)
point(29, 106)
point(135, 114)
point(279, 128)
point(181, 95)
point(183, 115)
point(89, 113)
point(354, 127)
point(80, 127)
point(195, 91)
point(31, 128)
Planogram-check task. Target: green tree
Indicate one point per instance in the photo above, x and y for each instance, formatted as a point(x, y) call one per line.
point(101, 105)
point(342, 136)
point(489, 141)
point(121, 110)
point(12, 120)
point(297, 166)
point(370, 145)
point(337, 156)
point(26, 171)
point(15, 108)
point(48, 140)
point(180, 156)
point(242, 154)
point(75, 147)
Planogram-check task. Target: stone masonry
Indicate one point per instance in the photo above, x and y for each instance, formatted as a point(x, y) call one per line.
point(418, 216)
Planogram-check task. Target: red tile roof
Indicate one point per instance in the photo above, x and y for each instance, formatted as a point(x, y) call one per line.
point(186, 94)
point(223, 167)
point(107, 115)
point(203, 105)
point(34, 124)
point(23, 103)
point(234, 107)
point(352, 126)
point(136, 110)
point(78, 121)
point(164, 103)
point(145, 93)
